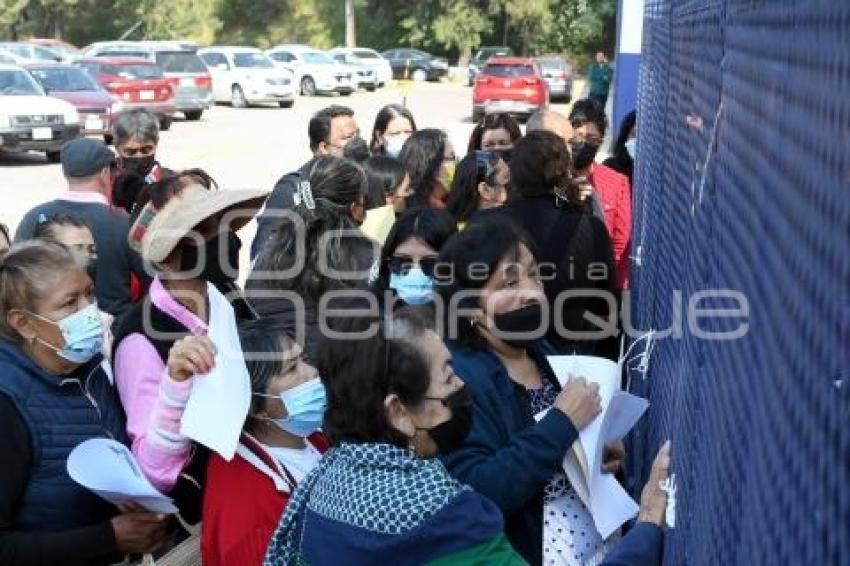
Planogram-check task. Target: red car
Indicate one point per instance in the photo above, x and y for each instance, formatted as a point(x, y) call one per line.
point(73, 84)
point(512, 85)
point(136, 83)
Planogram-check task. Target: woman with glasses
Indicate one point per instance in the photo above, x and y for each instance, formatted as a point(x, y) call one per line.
point(480, 183)
point(409, 255)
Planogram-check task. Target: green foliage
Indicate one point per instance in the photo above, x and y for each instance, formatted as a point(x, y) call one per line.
point(444, 27)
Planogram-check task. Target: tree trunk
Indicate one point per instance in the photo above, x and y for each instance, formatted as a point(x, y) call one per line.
point(350, 27)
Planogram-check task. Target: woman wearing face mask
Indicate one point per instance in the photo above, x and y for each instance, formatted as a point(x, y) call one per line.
point(497, 133)
point(497, 348)
point(55, 394)
point(136, 136)
point(280, 445)
point(623, 158)
point(480, 183)
point(409, 255)
point(394, 404)
point(180, 232)
point(393, 125)
point(430, 159)
point(611, 195)
point(75, 234)
point(318, 249)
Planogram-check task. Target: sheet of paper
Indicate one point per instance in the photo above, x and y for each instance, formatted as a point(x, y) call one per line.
point(219, 401)
point(109, 469)
point(609, 504)
point(378, 223)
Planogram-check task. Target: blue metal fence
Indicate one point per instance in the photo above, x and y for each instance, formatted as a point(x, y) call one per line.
point(743, 183)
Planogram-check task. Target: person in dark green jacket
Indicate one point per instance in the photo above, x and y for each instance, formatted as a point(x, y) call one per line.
point(600, 76)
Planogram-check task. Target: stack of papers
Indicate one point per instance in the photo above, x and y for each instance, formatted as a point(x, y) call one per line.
point(608, 503)
point(109, 469)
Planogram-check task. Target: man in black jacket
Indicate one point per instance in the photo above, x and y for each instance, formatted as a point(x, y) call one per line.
point(330, 130)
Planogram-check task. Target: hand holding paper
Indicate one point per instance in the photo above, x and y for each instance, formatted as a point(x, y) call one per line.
point(109, 469)
point(608, 502)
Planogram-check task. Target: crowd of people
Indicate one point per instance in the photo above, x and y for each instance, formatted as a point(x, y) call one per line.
point(402, 407)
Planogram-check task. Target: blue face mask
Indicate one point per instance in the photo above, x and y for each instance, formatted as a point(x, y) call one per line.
point(83, 334)
point(305, 407)
point(414, 287)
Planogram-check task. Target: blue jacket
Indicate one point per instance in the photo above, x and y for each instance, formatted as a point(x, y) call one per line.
point(60, 412)
point(507, 456)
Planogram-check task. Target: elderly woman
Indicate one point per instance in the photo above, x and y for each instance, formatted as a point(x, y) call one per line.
point(55, 394)
point(136, 136)
point(394, 403)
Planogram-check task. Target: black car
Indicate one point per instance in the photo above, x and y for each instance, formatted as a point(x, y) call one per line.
point(477, 62)
point(416, 65)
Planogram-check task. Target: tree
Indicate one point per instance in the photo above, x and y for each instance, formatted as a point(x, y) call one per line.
point(461, 25)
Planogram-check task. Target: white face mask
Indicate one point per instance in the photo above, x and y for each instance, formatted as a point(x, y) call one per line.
point(394, 144)
point(631, 147)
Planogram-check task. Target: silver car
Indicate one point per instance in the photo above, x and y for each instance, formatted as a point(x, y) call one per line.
point(558, 74)
point(363, 75)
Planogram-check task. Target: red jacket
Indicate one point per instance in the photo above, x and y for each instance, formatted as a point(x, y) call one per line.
point(243, 504)
point(615, 195)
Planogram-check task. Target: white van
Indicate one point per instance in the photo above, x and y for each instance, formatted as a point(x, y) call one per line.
point(245, 76)
point(314, 71)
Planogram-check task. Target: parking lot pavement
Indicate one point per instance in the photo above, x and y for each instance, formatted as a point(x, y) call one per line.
point(250, 147)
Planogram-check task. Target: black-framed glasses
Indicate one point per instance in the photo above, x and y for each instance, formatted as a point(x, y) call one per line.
point(401, 264)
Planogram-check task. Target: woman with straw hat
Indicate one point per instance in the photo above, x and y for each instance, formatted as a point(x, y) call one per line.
point(185, 232)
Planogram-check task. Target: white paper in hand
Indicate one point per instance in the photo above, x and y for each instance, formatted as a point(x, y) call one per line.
point(609, 504)
point(219, 402)
point(109, 469)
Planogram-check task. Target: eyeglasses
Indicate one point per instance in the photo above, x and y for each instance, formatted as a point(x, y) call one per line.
point(402, 264)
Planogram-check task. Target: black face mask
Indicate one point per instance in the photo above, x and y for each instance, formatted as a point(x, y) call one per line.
point(583, 155)
point(215, 267)
point(504, 154)
point(520, 327)
point(141, 166)
point(449, 435)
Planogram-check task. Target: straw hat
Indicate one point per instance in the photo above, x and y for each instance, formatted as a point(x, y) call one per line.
point(156, 233)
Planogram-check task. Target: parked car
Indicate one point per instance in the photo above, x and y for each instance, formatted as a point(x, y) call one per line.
point(416, 65)
point(315, 72)
point(245, 76)
point(136, 83)
point(189, 77)
point(73, 84)
point(370, 58)
point(31, 120)
point(514, 85)
point(64, 49)
point(481, 58)
point(558, 74)
point(25, 52)
point(362, 75)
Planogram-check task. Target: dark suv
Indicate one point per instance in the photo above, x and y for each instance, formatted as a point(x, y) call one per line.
point(416, 65)
point(480, 59)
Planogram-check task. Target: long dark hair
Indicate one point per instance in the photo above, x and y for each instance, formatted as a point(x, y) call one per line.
point(384, 174)
point(422, 155)
point(493, 122)
point(386, 115)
